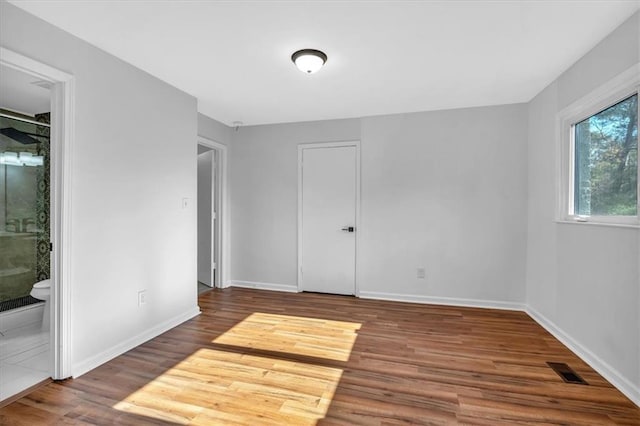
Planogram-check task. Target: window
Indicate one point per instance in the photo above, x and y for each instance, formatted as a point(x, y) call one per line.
point(599, 155)
point(606, 161)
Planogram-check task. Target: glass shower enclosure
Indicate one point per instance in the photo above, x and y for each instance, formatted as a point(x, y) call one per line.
point(24, 207)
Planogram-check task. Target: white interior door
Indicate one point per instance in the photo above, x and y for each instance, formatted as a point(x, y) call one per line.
point(328, 215)
point(205, 222)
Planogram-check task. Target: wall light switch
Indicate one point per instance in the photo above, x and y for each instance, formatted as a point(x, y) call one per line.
point(185, 203)
point(142, 297)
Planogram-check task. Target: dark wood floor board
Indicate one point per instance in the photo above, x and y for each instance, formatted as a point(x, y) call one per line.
point(506, 411)
point(263, 358)
point(361, 411)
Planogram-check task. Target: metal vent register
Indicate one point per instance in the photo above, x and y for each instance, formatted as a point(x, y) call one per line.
point(566, 373)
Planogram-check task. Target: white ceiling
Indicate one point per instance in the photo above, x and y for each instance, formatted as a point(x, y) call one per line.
point(384, 56)
point(19, 93)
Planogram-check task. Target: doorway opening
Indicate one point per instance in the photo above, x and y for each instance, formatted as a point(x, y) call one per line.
point(36, 145)
point(25, 288)
point(212, 218)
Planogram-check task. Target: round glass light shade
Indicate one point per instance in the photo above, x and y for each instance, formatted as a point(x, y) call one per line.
point(309, 60)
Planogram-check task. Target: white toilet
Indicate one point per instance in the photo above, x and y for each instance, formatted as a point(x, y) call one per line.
point(42, 291)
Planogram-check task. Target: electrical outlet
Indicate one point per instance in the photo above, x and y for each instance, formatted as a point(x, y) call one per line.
point(142, 297)
point(421, 273)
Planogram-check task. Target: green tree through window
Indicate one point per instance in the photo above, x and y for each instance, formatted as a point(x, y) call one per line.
point(606, 161)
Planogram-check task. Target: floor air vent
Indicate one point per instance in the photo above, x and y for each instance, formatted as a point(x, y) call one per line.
point(567, 373)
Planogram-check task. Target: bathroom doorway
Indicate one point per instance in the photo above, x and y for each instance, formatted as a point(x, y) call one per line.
point(25, 231)
point(30, 90)
point(211, 214)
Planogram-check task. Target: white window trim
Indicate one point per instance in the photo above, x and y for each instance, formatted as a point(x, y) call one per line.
point(615, 90)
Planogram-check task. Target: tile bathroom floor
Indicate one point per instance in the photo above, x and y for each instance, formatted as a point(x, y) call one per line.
point(24, 359)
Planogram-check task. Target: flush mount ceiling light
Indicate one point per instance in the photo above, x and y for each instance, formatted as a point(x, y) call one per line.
point(309, 60)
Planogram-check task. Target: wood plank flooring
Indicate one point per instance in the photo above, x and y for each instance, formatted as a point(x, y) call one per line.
point(256, 357)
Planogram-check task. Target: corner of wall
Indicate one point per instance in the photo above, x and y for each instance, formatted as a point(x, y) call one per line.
point(629, 389)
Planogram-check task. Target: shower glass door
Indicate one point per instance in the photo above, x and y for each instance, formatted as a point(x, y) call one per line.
point(24, 207)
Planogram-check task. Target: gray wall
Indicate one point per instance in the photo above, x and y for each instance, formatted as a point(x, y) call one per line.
point(134, 162)
point(583, 278)
point(444, 190)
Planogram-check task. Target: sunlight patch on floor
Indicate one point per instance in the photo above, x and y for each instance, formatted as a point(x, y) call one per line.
point(221, 387)
point(214, 385)
point(313, 337)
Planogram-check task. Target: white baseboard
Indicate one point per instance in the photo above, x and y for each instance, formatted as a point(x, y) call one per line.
point(95, 361)
point(449, 301)
point(630, 390)
point(264, 286)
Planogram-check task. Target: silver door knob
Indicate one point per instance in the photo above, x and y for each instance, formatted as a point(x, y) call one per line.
point(349, 229)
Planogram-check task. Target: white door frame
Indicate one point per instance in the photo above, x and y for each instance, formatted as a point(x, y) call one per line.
point(61, 143)
point(222, 257)
point(301, 148)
